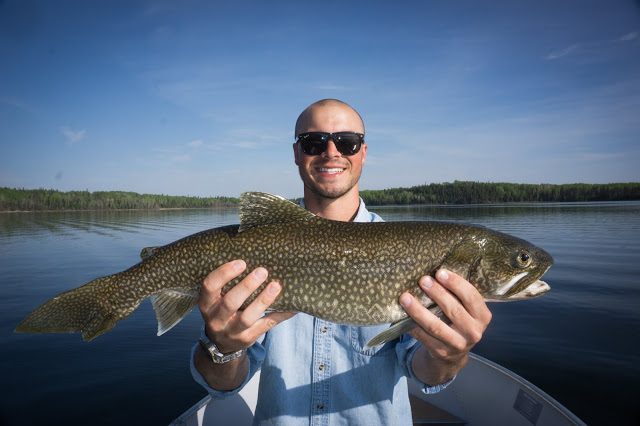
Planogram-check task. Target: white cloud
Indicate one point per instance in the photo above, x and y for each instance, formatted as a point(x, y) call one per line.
point(195, 144)
point(562, 52)
point(629, 37)
point(73, 136)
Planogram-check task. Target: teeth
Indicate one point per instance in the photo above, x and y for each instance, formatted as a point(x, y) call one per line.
point(332, 171)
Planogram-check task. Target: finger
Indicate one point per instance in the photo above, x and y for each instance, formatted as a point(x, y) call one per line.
point(471, 299)
point(269, 321)
point(233, 300)
point(213, 283)
point(466, 325)
point(248, 337)
point(433, 345)
point(451, 307)
point(430, 325)
point(258, 307)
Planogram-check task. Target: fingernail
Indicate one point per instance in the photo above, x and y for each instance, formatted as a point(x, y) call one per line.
point(237, 265)
point(443, 275)
point(274, 289)
point(260, 273)
point(405, 300)
point(426, 282)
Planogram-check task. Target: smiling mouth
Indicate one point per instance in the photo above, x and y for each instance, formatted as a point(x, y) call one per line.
point(330, 170)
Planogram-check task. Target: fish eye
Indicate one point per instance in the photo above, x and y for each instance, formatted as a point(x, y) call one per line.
point(524, 259)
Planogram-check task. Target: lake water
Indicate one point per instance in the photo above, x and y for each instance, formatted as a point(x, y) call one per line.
point(578, 342)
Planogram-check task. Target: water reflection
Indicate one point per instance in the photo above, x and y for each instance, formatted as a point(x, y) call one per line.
point(111, 224)
point(584, 324)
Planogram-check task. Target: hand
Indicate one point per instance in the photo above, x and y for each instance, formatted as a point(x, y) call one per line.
point(448, 344)
point(231, 329)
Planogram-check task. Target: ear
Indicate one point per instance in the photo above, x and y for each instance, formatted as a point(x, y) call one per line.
point(364, 152)
point(296, 153)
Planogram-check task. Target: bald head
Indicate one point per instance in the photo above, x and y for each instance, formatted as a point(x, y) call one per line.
point(328, 109)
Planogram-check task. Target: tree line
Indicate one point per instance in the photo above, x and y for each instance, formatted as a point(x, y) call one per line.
point(458, 192)
point(50, 199)
point(465, 192)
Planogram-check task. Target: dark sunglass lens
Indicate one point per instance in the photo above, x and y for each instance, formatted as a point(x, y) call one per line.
point(313, 146)
point(348, 144)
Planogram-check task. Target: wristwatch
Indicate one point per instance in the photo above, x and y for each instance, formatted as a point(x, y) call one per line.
point(213, 353)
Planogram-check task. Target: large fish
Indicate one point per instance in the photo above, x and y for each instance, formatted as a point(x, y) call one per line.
point(344, 272)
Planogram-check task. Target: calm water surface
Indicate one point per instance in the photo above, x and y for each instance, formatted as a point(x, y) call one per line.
point(578, 342)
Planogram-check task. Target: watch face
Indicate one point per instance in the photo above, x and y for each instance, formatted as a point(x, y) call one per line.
point(214, 354)
point(206, 349)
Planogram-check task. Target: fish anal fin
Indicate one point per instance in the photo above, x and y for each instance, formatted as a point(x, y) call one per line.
point(260, 209)
point(171, 306)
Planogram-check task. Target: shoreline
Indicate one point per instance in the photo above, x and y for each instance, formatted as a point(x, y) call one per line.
point(115, 210)
point(370, 206)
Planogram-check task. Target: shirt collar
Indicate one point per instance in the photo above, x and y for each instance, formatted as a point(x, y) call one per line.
point(362, 215)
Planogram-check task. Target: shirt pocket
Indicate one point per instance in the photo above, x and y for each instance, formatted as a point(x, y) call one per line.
point(361, 335)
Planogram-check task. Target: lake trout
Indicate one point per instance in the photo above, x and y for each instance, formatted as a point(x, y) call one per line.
point(344, 272)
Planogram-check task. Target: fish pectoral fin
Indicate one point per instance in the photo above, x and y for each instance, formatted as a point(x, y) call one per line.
point(261, 208)
point(147, 252)
point(171, 306)
point(395, 331)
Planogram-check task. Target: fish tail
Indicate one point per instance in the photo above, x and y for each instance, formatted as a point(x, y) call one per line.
point(86, 309)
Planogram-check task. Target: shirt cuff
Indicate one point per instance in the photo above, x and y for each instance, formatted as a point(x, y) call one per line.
point(255, 354)
point(423, 386)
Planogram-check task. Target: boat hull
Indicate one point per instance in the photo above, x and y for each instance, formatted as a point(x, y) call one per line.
point(483, 393)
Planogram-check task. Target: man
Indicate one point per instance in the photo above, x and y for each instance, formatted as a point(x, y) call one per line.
point(314, 371)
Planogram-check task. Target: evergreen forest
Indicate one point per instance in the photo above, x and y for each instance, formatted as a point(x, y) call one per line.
point(458, 192)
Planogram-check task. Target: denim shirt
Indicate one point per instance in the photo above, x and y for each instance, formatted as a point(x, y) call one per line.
point(317, 372)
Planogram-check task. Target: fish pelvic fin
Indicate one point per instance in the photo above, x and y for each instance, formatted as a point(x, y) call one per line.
point(396, 330)
point(261, 208)
point(171, 306)
point(84, 309)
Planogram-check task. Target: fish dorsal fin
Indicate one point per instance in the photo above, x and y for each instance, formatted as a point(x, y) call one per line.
point(261, 208)
point(147, 252)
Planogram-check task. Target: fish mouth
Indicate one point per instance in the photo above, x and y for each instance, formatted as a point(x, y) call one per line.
point(535, 289)
point(524, 285)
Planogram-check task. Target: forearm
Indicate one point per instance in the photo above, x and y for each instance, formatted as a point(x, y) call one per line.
point(221, 377)
point(434, 371)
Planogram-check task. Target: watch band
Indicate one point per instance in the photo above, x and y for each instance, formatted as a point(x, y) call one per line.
point(214, 353)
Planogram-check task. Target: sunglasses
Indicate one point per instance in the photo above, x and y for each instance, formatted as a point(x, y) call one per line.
point(315, 143)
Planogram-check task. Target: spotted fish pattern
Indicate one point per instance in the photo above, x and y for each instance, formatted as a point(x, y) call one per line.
point(348, 273)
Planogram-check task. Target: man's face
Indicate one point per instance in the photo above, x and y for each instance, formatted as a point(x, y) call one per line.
point(331, 174)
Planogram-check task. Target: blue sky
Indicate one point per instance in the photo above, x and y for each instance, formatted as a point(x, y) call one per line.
point(200, 97)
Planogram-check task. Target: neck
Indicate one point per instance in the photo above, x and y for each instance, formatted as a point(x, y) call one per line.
point(343, 209)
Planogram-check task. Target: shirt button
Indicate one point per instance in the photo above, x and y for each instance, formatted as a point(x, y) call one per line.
point(320, 405)
point(321, 367)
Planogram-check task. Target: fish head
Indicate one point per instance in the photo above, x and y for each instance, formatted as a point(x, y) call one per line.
point(508, 268)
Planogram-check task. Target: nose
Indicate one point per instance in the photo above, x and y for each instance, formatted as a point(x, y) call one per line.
point(331, 151)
